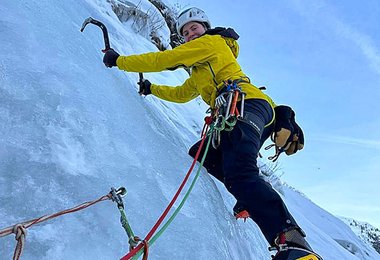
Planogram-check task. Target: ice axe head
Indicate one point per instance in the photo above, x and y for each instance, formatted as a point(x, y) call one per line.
point(87, 21)
point(102, 26)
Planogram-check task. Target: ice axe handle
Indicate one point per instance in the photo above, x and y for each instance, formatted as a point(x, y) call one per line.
point(141, 82)
point(104, 30)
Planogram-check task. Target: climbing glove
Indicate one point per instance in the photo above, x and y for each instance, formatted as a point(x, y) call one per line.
point(287, 135)
point(144, 87)
point(110, 58)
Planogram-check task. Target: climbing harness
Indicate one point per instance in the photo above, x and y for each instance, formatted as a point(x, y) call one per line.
point(226, 112)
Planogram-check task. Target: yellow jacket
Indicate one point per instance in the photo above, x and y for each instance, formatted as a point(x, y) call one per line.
point(212, 59)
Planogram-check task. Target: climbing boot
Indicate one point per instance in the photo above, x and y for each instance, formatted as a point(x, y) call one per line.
point(291, 245)
point(240, 212)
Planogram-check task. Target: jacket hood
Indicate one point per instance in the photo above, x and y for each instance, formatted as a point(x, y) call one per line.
point(225, 32)
point(229, 35)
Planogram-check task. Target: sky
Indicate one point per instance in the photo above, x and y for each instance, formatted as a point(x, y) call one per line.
point(323, 59)
point(70, 129)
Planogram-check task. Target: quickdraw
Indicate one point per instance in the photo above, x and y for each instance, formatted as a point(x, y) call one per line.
point(226, 112)
point(117, 196)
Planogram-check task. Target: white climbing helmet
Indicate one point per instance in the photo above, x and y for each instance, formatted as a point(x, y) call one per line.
point(192, 14)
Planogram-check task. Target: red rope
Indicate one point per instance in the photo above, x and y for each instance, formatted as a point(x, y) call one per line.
point(27, 224)
point(164, 214)
point(208, 121)
point(146, 250)
point(20, 229)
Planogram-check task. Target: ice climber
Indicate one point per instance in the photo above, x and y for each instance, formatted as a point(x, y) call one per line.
point(211, 55)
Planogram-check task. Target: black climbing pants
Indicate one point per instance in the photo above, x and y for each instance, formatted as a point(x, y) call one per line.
point(235, 164)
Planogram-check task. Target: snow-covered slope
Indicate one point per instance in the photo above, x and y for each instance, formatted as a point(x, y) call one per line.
point(324, 230)
point(71, 129)
point(365, 231)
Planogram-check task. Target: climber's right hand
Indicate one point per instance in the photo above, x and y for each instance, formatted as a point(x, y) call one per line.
point(110, 58)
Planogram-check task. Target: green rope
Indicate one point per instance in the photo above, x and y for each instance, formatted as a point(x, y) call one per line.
point(175, 213)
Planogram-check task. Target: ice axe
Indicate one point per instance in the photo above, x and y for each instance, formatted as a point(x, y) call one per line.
point(105, 37)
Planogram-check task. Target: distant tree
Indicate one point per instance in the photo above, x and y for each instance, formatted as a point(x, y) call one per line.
point(149, 22)
point(170, 14)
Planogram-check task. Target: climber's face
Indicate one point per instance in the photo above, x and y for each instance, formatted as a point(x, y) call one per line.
point(192, 30)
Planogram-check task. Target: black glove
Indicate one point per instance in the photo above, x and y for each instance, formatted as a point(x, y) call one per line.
point(144, 87)
point(110, 58)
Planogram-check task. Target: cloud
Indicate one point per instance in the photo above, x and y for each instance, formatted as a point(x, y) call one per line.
point(324, 12)
point(367, 143)
point(363, 41)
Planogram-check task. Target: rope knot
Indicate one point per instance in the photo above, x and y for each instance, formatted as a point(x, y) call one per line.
point(20, 231)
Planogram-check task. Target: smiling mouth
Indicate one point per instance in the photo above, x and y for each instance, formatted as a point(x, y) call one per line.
point(193, 37)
